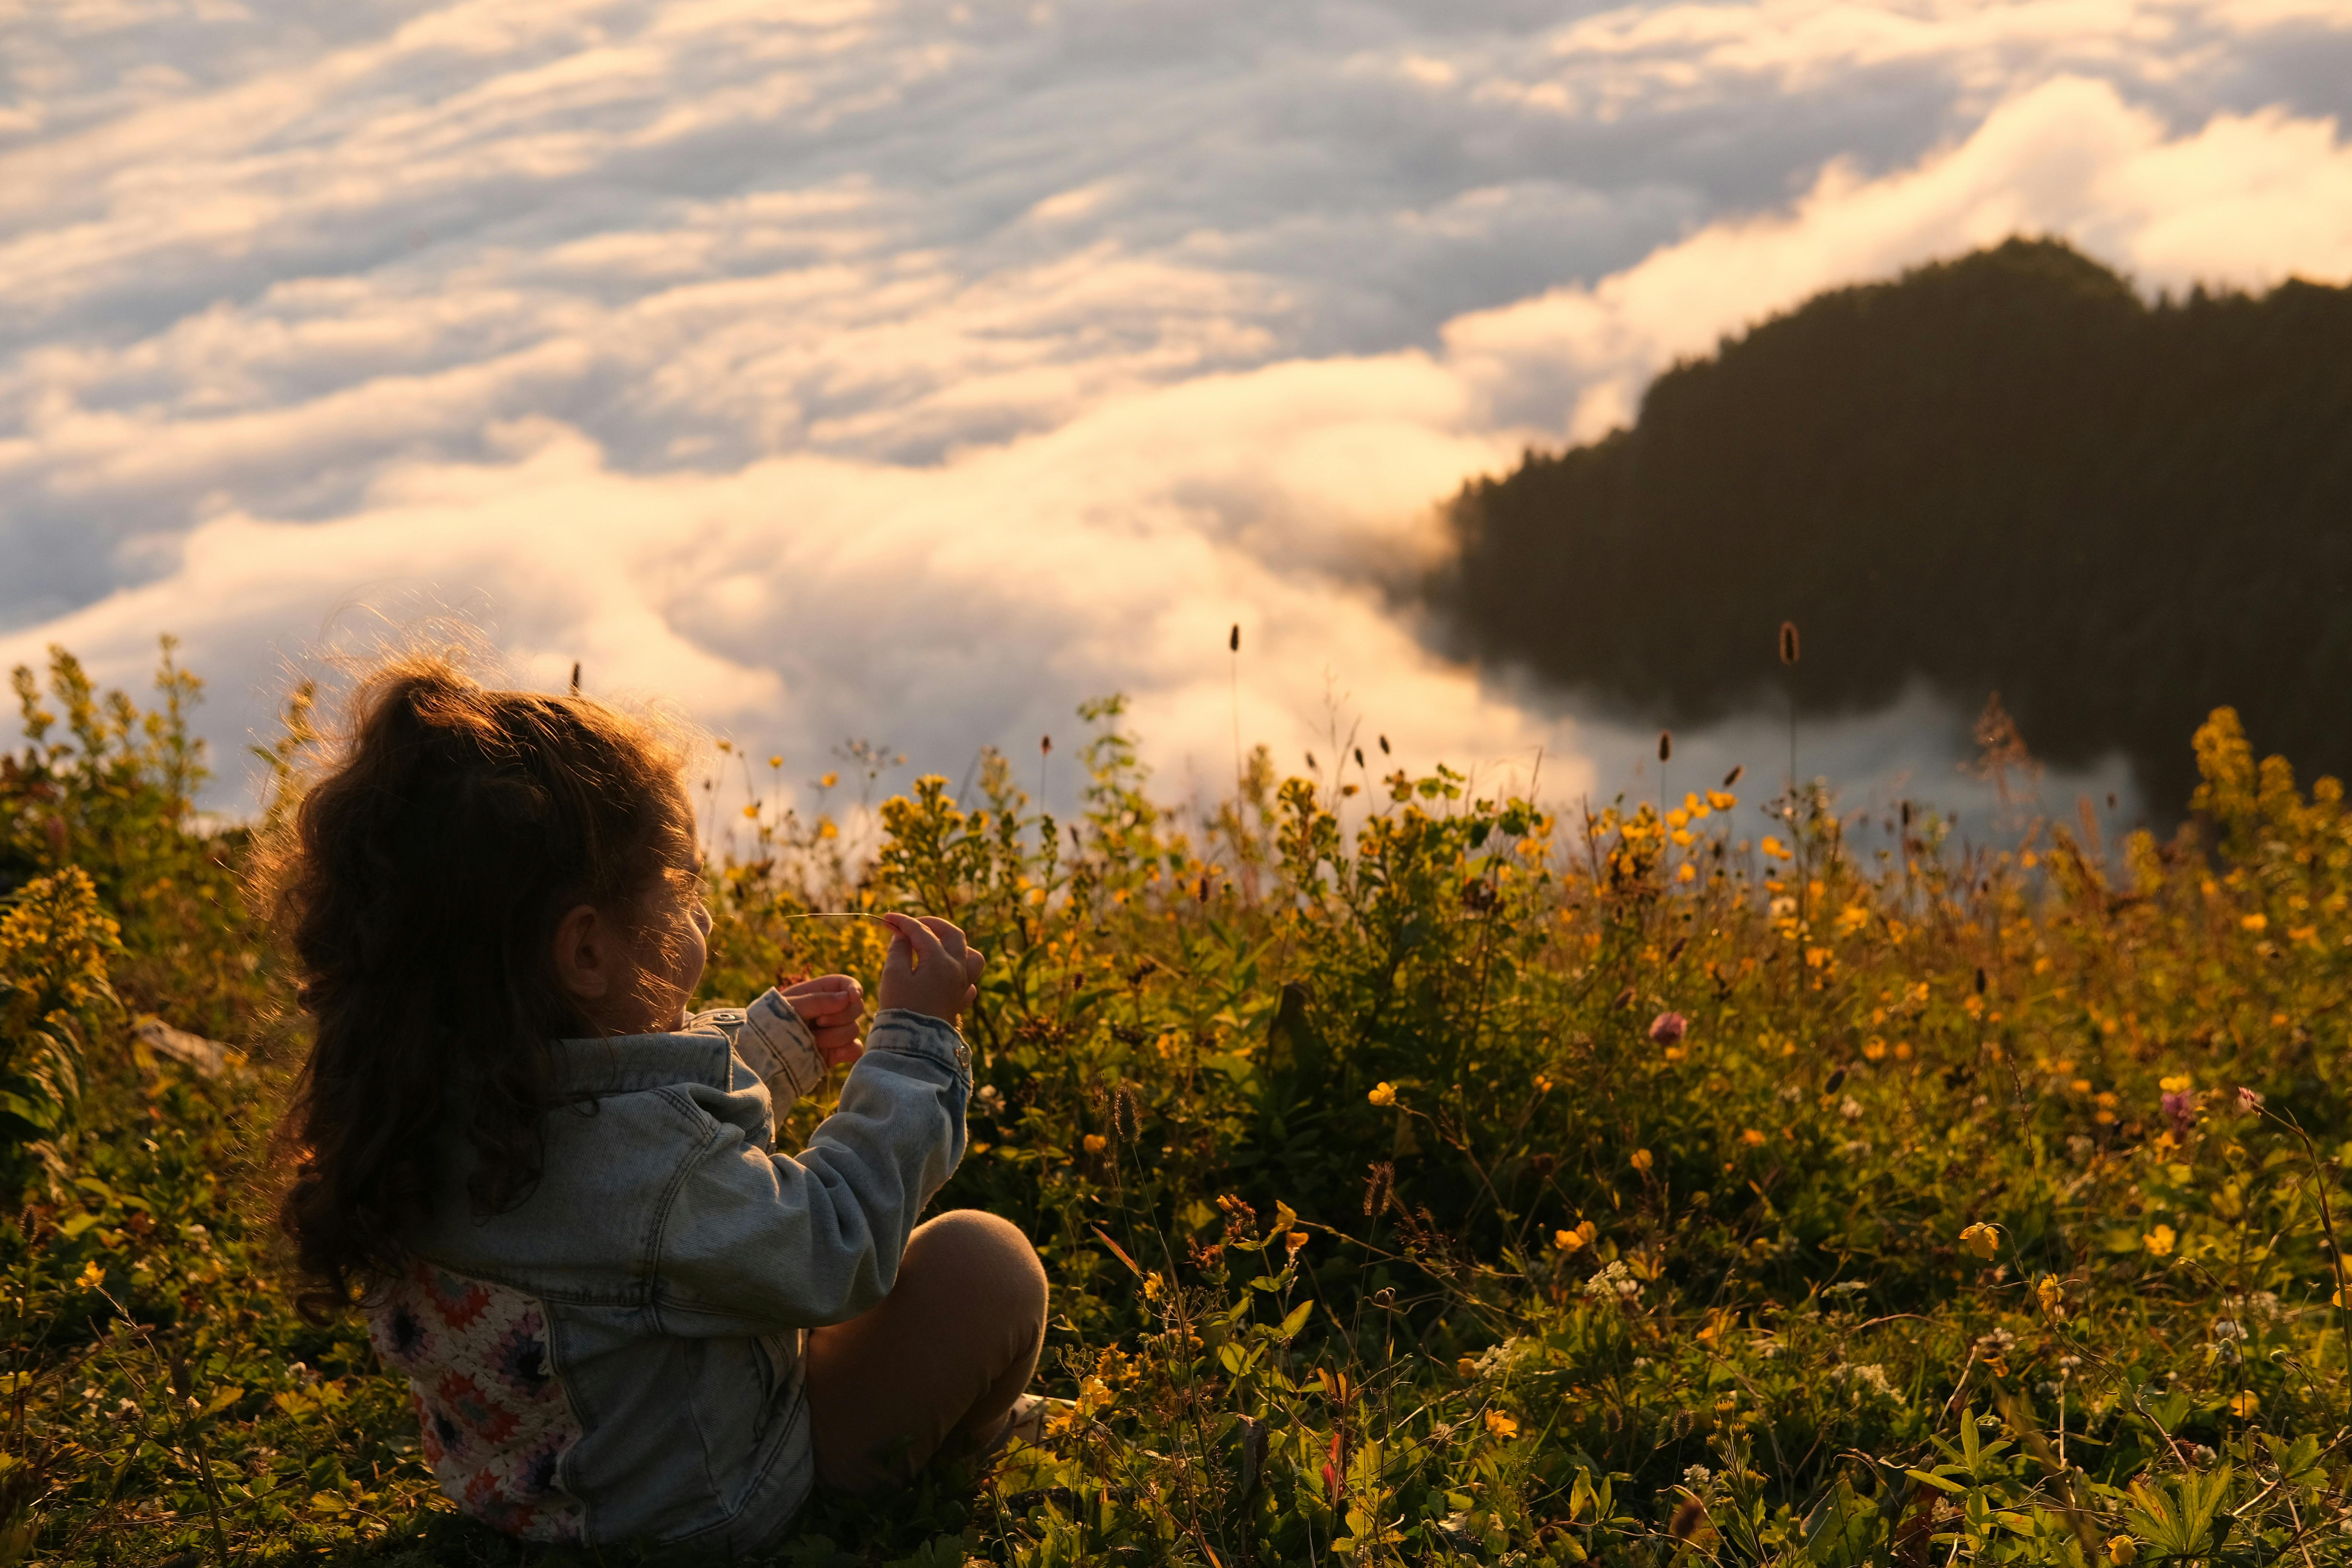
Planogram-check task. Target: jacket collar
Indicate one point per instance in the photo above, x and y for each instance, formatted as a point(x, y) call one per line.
point(629, 1064)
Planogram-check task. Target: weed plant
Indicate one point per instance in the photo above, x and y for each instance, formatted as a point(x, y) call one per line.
point(1422, 1175)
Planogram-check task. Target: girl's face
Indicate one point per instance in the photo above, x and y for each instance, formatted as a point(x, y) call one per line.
point(674, 945)
point(633, 970)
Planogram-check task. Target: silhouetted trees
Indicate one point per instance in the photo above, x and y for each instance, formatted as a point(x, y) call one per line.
point(2003, 472)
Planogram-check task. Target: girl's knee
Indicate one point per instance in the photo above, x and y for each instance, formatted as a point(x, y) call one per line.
point(979, 1256)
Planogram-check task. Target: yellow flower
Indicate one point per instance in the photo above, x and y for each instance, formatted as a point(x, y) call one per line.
point(2256, 922)
point(1502, 1426)
point(92, 1275)
point(1873, 1049)
point(1722, 800)
point(2122, 1551)
point(1096, 1142)
point(828, 780)
point(752, 809)
point(1382, 1094)
point(1982, 1239)
point(1678, 819)
point(2159, 1241)
point(2175, 1083)
point(1465, 1367)
point(2244, 1405)
point(1902, 1050)
point(1685, 872)
point(1682, 839)
point(2053, 1294)
point(1567, 1240)
point(1773, 848)
point(1153, 1284)
point(1752, 1138)
point(1642, 1160)
point(776, 762)
point(2081, 1086)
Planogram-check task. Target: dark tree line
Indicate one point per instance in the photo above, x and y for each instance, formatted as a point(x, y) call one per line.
point(2006, 472)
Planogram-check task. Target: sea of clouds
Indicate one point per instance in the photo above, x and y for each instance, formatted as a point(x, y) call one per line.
point(845, 368)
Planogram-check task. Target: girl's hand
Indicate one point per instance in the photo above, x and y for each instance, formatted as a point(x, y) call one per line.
point(929, 969)
point(832, 1006)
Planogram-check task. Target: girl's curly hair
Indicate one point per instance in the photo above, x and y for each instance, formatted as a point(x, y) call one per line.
point(419, 879)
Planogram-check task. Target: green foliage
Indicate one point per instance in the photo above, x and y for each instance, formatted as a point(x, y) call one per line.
point(2001, 473)
point(110, 790)
point(53, 994)
point(1422, 1177)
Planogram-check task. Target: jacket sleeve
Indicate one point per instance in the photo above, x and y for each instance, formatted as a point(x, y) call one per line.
point(779, 1048)
point(751, 1242)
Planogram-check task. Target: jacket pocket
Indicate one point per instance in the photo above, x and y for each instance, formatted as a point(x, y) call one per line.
point(777, 1358)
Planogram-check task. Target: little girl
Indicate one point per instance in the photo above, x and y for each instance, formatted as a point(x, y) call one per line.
point(623, 1316)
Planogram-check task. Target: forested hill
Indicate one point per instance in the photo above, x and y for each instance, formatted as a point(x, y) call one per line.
point(2006, 472)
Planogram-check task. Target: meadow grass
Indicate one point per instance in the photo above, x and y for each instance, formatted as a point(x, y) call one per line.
point(1422, 1175)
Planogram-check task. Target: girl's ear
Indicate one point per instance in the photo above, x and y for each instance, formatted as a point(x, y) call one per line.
point(588, 958)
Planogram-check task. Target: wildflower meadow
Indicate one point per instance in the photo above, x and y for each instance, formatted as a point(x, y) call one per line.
point(1424, 1175)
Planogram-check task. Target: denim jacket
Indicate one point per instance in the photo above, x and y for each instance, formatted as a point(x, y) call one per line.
point(618, 1357)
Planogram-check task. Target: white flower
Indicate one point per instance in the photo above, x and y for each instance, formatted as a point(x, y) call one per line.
point(1499, 1361)
point(1614, 1283)
point(2228, 1329)
point(2001, 1341)
point(1864, 1378)
point(1850, 1108)
point(1698, 1476)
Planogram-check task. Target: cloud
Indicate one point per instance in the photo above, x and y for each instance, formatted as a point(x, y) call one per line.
point(915, 370)
point(2246, 200)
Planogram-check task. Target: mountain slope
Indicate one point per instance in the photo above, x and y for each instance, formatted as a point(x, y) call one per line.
point(2005, 472)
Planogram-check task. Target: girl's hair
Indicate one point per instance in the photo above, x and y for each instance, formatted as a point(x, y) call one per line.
point(419, 879)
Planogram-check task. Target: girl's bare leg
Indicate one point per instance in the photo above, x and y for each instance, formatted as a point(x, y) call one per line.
point(938, 1363)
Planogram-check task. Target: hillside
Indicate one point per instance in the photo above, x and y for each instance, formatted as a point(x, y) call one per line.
point(1469, 1183)
point(2006, 472)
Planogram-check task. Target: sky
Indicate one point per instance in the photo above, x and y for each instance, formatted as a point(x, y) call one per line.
point(912, 372)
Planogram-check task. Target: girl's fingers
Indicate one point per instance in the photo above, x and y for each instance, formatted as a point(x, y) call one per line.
point(922, 943)
point(821, 983)
point(949, 937)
